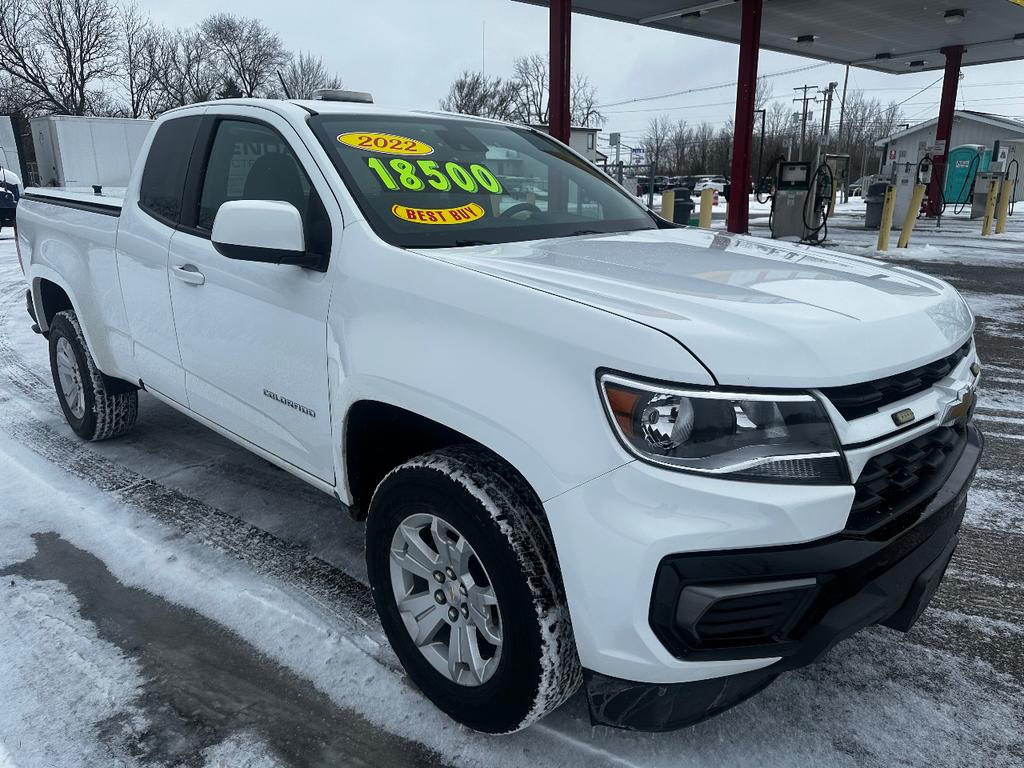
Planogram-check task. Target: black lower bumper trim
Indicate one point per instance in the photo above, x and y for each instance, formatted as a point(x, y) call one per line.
point(861, 583)
point(651, 707)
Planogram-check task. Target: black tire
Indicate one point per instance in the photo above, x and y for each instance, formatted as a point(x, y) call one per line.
point(111, 405)
point(501, 518)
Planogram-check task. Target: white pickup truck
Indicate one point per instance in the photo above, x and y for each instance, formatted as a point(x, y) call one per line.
point(589, 446)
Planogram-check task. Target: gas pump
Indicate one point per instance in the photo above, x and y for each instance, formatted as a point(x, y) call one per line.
point(800, 204)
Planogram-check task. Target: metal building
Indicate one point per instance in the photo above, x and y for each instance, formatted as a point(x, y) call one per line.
point(969, 127)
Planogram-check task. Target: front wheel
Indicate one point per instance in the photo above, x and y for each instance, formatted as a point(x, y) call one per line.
point(464, 578)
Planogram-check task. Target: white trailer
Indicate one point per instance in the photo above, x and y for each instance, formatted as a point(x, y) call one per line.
point(82, 151)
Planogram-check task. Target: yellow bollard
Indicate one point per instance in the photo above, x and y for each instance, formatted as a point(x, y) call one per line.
point(1003, 206)
point(888, 205)
point(668, 205)
point(990, 208)
point(707, 200)
point(911, 217)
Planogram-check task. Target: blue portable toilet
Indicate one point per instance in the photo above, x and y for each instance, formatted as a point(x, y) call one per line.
point(962, 163)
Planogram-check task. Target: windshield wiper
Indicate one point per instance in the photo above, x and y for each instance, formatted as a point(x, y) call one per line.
point(464, 243)
point(586, 232)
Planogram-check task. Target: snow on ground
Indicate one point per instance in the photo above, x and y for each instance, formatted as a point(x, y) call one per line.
point(167, 512)
point(59, 679)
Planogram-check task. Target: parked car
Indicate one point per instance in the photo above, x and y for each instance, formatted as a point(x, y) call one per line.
point(710, 182)
point(856, 188)
point(589, 447)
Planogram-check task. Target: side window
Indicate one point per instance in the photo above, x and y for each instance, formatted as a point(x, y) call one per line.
point(163, 178)
point(249, 161)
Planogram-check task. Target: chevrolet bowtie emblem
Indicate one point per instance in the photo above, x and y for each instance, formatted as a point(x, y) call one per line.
point(959, 409)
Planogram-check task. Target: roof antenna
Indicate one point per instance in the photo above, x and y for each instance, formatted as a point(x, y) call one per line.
point(286, 94)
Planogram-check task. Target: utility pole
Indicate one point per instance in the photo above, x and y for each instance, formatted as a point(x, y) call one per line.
point(803, 120)
point(827, 119)
point(842, 110)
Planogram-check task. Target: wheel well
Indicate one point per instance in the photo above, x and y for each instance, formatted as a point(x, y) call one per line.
point(379, 437)
point(53, 299)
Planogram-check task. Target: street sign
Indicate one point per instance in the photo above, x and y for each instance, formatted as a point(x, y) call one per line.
point(614, 139)
point(637, 154)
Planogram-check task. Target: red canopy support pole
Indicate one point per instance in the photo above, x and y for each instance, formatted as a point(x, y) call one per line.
point(560, 27)
point(944, 128)
point(743, 138)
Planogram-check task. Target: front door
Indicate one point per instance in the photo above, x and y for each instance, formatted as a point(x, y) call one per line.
point(253, 337)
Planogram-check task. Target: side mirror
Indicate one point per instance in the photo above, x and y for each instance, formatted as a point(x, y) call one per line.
point(268, 231)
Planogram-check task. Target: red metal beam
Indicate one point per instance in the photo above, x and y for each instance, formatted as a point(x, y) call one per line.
point(559, 27)
point(743, 138)
point(944, 128)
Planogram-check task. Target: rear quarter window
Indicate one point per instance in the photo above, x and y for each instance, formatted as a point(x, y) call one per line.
point(163, 178)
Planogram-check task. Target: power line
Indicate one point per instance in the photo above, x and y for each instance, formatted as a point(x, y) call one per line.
point(709, 87)
point(919, 92)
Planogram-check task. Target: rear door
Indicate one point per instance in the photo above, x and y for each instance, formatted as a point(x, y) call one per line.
point(253, 337)
point(143, 236)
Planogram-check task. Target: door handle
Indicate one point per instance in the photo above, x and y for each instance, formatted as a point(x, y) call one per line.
point(188, 273)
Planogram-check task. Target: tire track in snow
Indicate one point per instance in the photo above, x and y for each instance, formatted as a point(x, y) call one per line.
point(958, 622)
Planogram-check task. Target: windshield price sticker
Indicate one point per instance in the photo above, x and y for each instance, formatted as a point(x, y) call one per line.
point(385, 143)
point(430, 176)
point(460, 215)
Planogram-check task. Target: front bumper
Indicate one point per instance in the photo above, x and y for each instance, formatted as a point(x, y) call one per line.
point(838, 585)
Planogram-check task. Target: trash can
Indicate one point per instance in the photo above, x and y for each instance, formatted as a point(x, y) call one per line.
point(874, 197)
point(683, 208)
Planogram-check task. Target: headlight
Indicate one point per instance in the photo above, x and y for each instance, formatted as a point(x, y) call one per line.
point(740, 436)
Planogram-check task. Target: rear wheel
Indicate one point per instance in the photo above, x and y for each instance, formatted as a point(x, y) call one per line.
point(96, 407)
point(464, 578)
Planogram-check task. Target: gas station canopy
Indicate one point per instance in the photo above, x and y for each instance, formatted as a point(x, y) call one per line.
point(894, 36)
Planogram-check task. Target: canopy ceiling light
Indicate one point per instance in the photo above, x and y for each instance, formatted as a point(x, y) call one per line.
point(954, 16)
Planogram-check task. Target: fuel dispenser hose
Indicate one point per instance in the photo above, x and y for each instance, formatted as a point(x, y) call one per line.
point(1015, 164)
point(819, 234)
point(771, 195)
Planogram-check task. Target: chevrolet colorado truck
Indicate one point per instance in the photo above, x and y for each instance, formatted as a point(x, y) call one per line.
point(590, 447)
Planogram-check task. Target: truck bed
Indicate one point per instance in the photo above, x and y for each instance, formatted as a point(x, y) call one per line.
point(109, 201)
point(68, 239)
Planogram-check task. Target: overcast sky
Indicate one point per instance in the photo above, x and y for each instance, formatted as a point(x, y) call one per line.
point(406, 52)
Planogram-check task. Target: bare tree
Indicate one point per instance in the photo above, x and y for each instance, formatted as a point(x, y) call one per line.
point(473, 93)
point(677, 148)
point(138, 75)
point(249, 52)
point(531, 76)
point(306, 73)
point(583, 109)
point(658, 131)
point(59, 49)
point(15, 96)
point(185, 68)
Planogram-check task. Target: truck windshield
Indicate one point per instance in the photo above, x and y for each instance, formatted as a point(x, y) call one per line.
point(435, 182)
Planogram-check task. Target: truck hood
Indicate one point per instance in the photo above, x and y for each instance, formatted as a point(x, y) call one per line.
point(755, 312)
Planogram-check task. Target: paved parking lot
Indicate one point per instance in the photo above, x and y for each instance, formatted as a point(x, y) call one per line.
point(170, 599)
